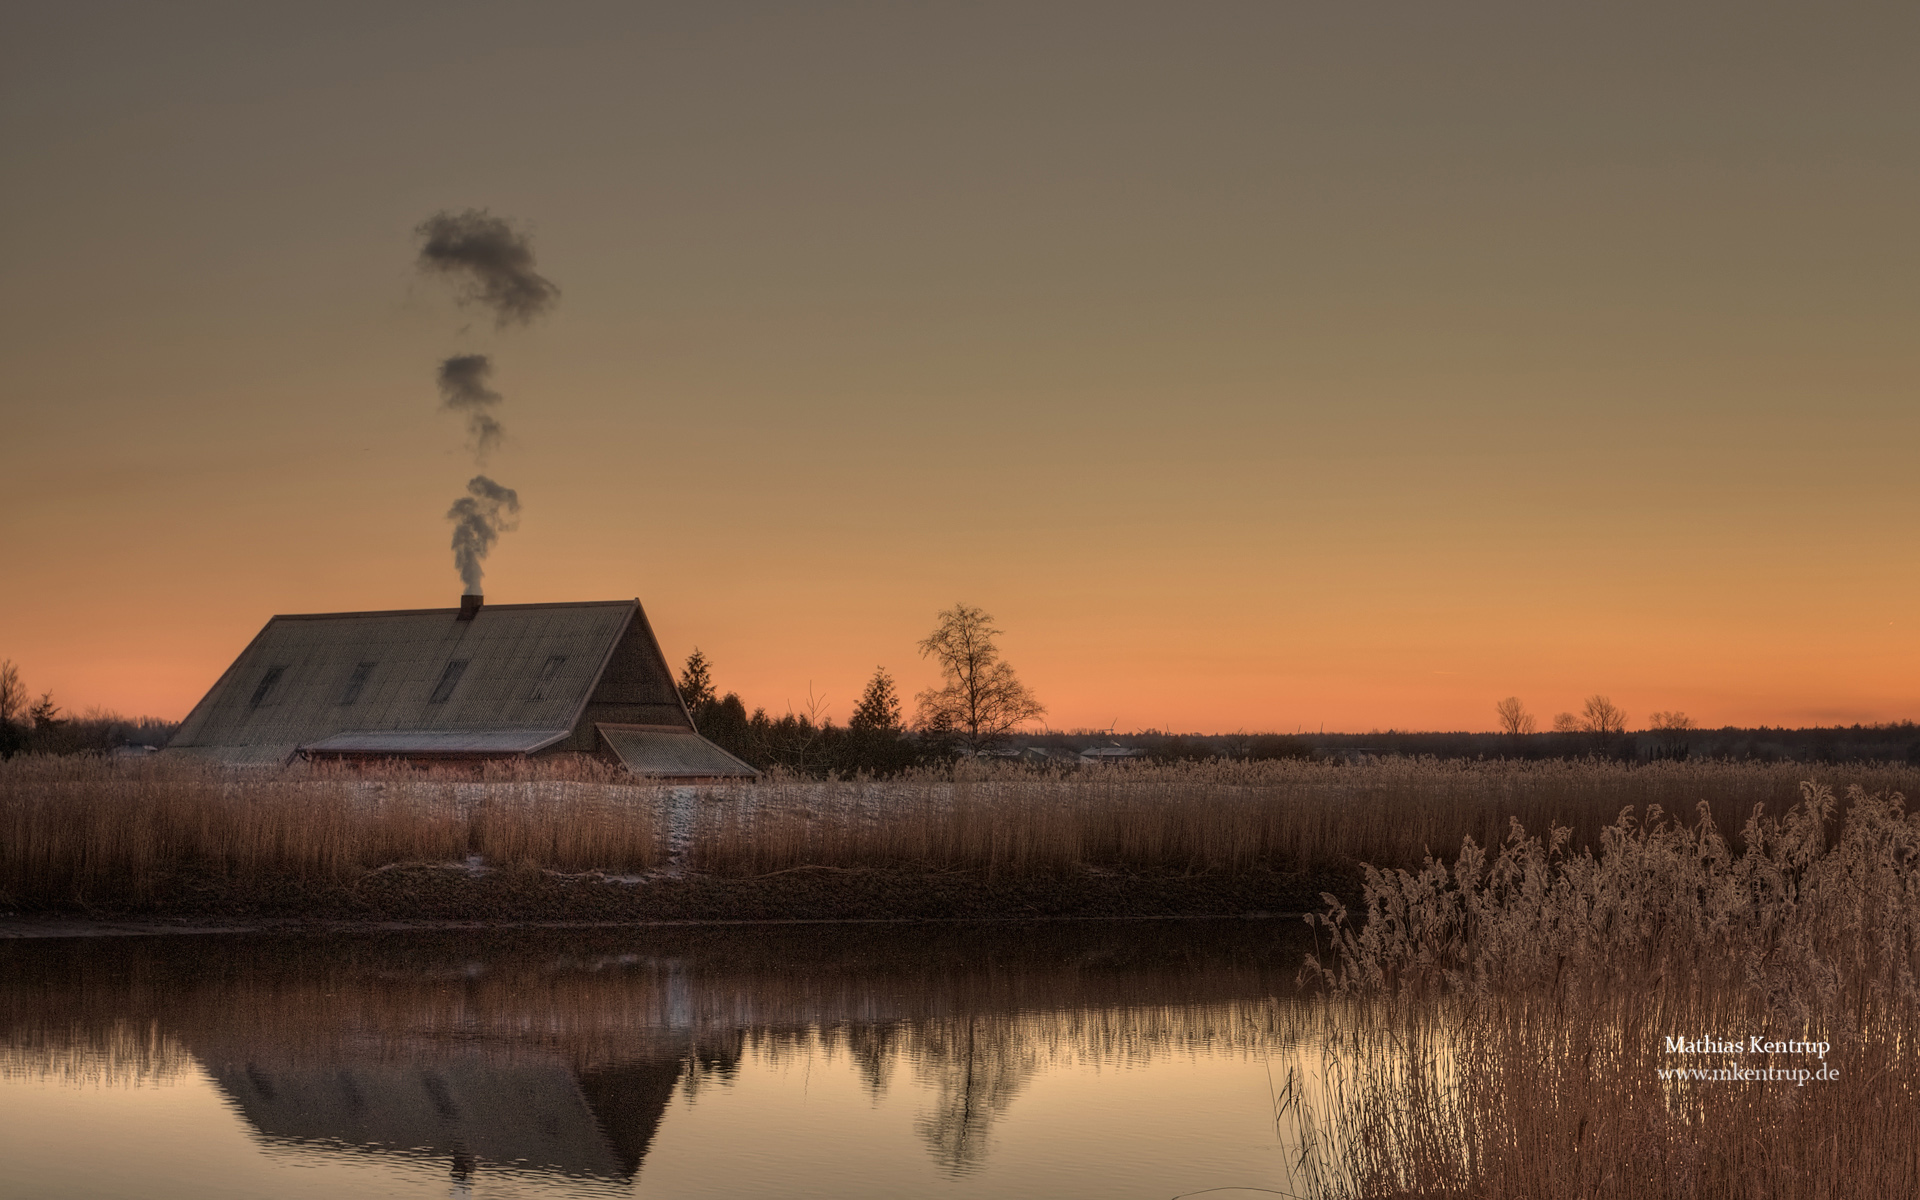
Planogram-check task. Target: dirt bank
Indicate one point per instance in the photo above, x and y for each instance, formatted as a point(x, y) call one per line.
point(447, 893)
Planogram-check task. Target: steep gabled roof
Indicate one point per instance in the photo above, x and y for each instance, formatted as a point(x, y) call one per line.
point(515, 678)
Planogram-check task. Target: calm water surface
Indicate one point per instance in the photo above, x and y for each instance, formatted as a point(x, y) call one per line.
point(1111, 1060)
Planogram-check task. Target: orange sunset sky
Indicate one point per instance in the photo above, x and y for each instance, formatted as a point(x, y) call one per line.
point(1258, 366)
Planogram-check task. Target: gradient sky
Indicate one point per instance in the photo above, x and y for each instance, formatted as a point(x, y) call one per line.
point(1258, 366)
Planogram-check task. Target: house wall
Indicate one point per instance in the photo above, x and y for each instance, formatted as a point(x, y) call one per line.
point(635, 689)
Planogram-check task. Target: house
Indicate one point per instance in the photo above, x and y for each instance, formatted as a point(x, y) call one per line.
point(1034, 756)
point(1114, 753)
point(449, 685)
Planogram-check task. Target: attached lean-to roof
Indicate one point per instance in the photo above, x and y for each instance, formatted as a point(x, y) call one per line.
point(424, 682)
point(671, 752)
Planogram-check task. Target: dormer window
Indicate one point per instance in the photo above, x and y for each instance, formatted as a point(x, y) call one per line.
point(261, 693)
point(548, 674)
point(449, 679)
point(357, 683)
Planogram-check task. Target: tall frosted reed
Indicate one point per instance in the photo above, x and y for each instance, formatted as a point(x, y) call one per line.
point(1217, 816)
point(77, 829)
point(1499, 1026)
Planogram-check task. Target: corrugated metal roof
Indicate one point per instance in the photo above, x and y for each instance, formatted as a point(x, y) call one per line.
point(667, 750)
point(236, 756)
point(377, 742)
point(308, 678)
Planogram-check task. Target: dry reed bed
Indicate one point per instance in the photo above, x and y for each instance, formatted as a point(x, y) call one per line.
point(76, 829)
point(1498, 1026)
point(1220, 816)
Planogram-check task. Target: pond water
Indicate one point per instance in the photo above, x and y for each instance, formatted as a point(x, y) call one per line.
point(1110, 1059)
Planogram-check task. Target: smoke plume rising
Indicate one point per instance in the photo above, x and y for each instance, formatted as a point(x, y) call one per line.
point(463, 388)
point(492, 258)
point(479, 518)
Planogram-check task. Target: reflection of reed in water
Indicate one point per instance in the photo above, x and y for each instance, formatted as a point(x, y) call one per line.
point(119, 1054)
point(563, 1053)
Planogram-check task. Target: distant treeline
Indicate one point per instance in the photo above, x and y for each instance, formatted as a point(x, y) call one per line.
point(798, 743)
point(875, 741)
point(1896, 742)
point(93, 732)
point(37, 726)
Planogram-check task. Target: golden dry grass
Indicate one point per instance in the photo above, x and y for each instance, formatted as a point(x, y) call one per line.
point(79, 829)
point(1498, 1026)
point(1219, 816)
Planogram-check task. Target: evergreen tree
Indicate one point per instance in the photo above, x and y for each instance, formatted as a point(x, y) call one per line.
point(696, 682)
point(725, 723)
point(44, 714)
point(879, 707)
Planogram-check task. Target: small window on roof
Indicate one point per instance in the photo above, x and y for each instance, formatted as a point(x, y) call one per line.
point(547, 675)
point(265, 689)
point(361, 674)
point(448, 679)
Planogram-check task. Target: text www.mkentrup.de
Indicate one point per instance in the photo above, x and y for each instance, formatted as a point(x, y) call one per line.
point(1748, 1048)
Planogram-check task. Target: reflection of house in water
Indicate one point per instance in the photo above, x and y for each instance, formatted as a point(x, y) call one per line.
point(561, 1052)
point(534, 1110)
point(525, 1110)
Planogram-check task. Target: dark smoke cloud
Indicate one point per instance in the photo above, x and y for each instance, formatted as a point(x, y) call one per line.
point(463, 381)
point(494, 260)
point(463, 388)
point(487, 433)
point(479, 518)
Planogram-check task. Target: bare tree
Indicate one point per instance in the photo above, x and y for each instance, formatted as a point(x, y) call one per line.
point(1599, 715)
point(13, 693)
point(1672, 728)
point(1514, 717)
point(982, 700)
point(1566, 723)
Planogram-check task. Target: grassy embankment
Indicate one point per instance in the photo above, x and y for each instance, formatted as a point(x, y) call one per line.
point(1500, 1028)
point(177, 838)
